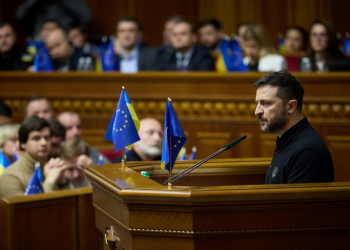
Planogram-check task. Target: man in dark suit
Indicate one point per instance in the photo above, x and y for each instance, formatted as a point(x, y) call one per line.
point(11, 56)
point(64, 56)
point(133, 56)
point(186, 56)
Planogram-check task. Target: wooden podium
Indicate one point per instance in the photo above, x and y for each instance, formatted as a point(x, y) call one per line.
point(221, 205)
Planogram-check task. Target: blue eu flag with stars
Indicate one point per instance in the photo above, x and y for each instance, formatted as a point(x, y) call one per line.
point(34, 185)
point(110, 60)
point(174, 138)
point(42, 60)
point(124, 126)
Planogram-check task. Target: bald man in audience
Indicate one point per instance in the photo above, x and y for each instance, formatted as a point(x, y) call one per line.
point(149, 147)
point(71, 121)
point(38, 106)
point(64, 56)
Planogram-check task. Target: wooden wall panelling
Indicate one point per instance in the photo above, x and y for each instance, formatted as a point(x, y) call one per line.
point(267, 145)
point(339, 147)
point(210, 142)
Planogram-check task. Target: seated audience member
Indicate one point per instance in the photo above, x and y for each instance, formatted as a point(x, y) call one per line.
point(11, 56)
point(186, 55)
point(210, 34)
point(295, 40)
point(301, 155)
point(5, 114)
point(74, 153)
point(260, 55)
point(132, 56)
point(48, 26)
point(9, 141)
point(241, 28)
point(64, 56)
point(38, 106)
point(78, 36)
point(71, 121)
point(34, 139)
point(58, 134)
point(168, 26)
point(149, 147)
point(325, 54)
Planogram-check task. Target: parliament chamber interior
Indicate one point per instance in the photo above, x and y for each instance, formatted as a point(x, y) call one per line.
point(227, 202)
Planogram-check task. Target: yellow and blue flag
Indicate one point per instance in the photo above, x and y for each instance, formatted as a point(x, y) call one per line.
point(4, 162)
point(42, 60)
point(124, 126)
point(281, 46)
point(34, 185)
point(174, 138)
point(230, 58)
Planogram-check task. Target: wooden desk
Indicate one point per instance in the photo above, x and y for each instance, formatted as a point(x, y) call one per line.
point(58, 220)
point(146, 215)
point(213, 108)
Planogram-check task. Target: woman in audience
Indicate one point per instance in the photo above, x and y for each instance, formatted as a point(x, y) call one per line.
point(9, 143)
point(295, 40)
point(325, 54)
point(260, 55)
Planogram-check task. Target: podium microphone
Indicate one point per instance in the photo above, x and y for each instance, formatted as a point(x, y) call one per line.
point(188, 170)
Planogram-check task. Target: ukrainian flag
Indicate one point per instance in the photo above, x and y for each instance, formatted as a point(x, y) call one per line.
point(174, 138)
point(124, 126)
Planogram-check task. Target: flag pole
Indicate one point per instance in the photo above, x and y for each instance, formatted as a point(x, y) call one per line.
point(123, 157)
point(170, 163)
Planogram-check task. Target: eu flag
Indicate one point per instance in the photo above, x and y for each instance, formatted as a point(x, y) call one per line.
point(34, 185)
point(237, 57)
point(42, 60)
point(174, 138)
point(124, 126)
point(4, 162)
point(346, 45)
point(110, 60)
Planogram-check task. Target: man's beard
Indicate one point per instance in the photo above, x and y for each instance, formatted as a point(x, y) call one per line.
point(276, 124)
point(153, 150)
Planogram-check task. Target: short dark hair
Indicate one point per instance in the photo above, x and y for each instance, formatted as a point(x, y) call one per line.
point(131, 19)
point(31, 124)
point(303, 33)
point(57, 129)
point(176, 19)
point(213, 22)
point(3, 24)
point(5, 110)
point(288, 87)
point(34, 98)
point(77, 26)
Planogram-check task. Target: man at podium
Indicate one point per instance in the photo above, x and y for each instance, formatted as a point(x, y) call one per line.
point(301, 155)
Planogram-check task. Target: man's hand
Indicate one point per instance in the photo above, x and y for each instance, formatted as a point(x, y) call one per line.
point(54, 171)
point(117, 47)
point(84, 161)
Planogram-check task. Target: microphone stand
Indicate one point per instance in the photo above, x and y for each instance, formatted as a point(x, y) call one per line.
point(190, 169)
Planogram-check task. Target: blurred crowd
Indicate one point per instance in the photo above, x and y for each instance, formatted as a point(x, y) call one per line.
point(185, 47)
